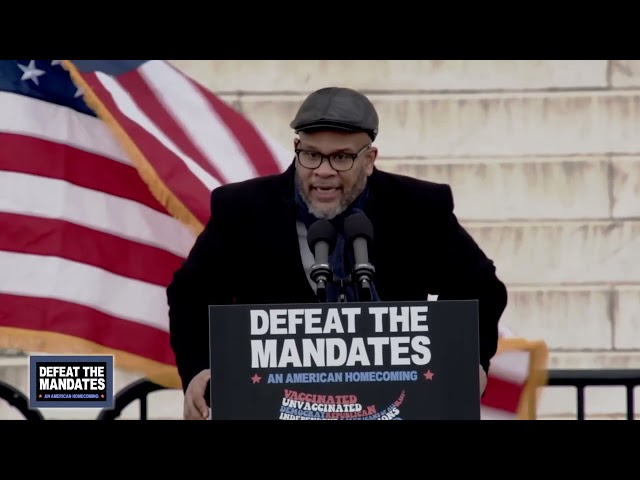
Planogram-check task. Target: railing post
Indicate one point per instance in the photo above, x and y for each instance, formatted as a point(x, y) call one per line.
point(143, 408)
point(580, 401)
point(630, 401)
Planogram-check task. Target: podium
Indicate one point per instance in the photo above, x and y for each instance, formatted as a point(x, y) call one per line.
point(345, 361)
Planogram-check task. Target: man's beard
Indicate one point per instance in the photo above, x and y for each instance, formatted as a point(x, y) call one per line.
point(327, 213)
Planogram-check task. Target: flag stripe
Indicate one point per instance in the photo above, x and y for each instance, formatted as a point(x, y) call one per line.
point(53, 277)
point(126, 107)
point(511, 366)
point(89, 208)
point(150, 103)
point(41, 314)
point(58, 238)
point(244, 132)
point(188, 181)
point(28, 116)
point(502, 395)
point(30, 155)
point(208, 135)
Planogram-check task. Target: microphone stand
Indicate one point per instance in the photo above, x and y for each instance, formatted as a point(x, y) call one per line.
point(362, 276)
point(320, 273)
point(363, 272)
point(342, 283)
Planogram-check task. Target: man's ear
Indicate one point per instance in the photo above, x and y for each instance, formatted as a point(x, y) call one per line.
point(370, 159)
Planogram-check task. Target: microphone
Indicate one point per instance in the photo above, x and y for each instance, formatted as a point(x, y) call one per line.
point(321, 238)
point(358, 231)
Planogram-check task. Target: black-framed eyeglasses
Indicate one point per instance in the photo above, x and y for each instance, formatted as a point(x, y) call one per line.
point(339, 161)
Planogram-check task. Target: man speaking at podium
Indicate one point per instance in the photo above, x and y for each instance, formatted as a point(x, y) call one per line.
point(254, 248)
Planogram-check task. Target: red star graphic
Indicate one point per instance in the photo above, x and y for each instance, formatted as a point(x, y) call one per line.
point(102, 395)
point(428, 375)
point(40, 396)
point(256, 378)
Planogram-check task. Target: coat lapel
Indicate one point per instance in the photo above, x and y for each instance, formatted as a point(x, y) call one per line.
point(283, 245)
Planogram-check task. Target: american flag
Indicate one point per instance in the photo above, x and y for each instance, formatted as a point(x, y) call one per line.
point(105, 172)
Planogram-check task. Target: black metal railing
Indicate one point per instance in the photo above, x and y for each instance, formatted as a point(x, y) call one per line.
point(140, 390)
point(19, 401)
point(582, 378)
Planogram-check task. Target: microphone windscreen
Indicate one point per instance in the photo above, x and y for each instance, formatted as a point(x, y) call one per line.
point(321, 231)
point(358, 225)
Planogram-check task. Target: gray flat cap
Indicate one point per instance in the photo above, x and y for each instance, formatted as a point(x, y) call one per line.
point(337, 108)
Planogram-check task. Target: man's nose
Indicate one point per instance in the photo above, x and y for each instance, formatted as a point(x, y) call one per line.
point(325, 169)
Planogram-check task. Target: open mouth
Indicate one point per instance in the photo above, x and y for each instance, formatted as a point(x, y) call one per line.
point(326, 192)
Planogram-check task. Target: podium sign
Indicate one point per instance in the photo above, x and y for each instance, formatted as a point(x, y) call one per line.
point(345, 361)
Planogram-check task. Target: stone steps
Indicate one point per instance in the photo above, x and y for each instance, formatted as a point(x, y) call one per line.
point(533, 188)
point(277, 76)
point(584, 319)
point(560, 252)
point(481, 124)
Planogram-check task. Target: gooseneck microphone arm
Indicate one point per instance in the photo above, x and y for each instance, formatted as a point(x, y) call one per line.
point(358, 231)
point(321, 238)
